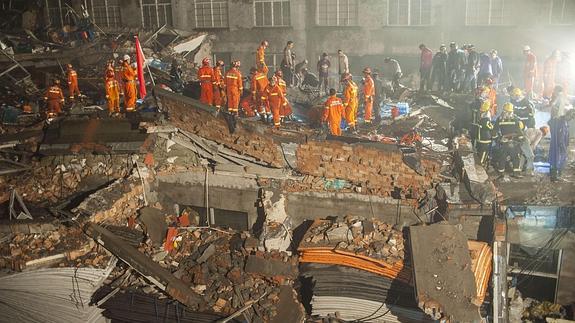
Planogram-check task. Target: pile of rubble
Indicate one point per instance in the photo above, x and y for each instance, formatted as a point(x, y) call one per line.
point(65, 247)
point(229, 271)
point(56, 178)
point(364, 244)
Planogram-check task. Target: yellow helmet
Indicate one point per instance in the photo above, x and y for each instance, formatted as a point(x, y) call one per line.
point(516, 92)
point(508, 107)
point(485, 106)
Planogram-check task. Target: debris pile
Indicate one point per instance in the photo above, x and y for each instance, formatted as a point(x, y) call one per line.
point(228, 271)
point(369, 245)
point(65, 247)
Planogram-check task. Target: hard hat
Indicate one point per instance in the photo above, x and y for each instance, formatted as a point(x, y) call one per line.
point(489, 81)
point(69, 65)
point(109, 73)
point(220, 63)
point(508, 107)
point(126, 57)
point(544, 130)
point(56, 81)
point(516, 92)
point(485, 106)
point(273, 80)
point(265, 43)
point(367, 70)
point(526, 47)
point(345, 76)
point(279, 73)
point(206, 61)
point(236, 63)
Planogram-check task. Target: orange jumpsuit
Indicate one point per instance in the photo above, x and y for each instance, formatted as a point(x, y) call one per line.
point(206, 77)
point(234, 89)
point(332, 112)
point(113, 95)
point(369, 93)
point(258, 86)
point(286, 109)
point(350, 102)
point(261, 60)
point(530, 72)
point(248, 106)
point(493, 100)
point(55, 99)
point(218, 85)
point(73, 83)
point(118, 76)
point(549, 69)
point(129, 78)
point(275, 99)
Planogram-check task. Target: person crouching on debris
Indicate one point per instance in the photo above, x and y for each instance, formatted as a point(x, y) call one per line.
point(509, 131)
point(72, 82)
point(206, 77)
point(54, 99)
point(484, 133)
point(350, 100)
point(234, 87)
point(112, 93)
point(332, 112)
point(286, 110)
point(219, 86)
point(129, 78)
point(369, 93)
point(275, 99)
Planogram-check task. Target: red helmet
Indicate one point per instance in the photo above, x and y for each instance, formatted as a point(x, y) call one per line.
point(489, 81)
point(206, 61)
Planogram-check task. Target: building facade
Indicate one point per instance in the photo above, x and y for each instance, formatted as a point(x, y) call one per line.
point(367, 30)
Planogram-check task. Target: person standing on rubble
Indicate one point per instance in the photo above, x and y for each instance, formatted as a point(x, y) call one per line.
point(285, 110)
point(483, 137)
point(368, 93)
point(496, 68)
point(523, 108)
point(559, 127)
point(332, 113)
point(206, 77)
point(73, 89)
point(323, 66)
point(129, 77)
point(342, 64)
point(439, 69)
point(258, 85)
point(549, 72)
point(509, 132)
point(471, 69)
point(234, 87)
point(275, 99)
point(288, 64)
point(218, 85)
point(426, 61)
point(118, 75)
point(112, 93)
point(394, 70)
point(529, 70)
point(54, 98)
point(350, 100)
point(261, 58)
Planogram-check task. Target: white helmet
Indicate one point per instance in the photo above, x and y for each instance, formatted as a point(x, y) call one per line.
point(127, 57)
point(526, 47)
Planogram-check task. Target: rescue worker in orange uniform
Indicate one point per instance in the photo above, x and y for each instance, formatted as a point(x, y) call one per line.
point(218, 85)
point(129, 78)
point(275, 99)
point(350, 99)
point(368, 93)
point(109, 67)
point(234, 87)
point(332, 113)
point(529, 70)
point(72, 82)
point(258, 86)
point(286, 111)
point(54, 98)
point(261, 58)
point(206, 77)
point(112, 93)
point(118, 75)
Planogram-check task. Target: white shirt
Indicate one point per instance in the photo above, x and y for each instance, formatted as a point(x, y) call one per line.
point(533, 135)
point(343, 64)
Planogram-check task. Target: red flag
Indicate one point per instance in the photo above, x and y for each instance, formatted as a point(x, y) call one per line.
point(140, 61)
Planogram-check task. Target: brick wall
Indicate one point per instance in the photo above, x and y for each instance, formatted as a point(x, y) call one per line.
point(247, 141)
point(380, 171)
